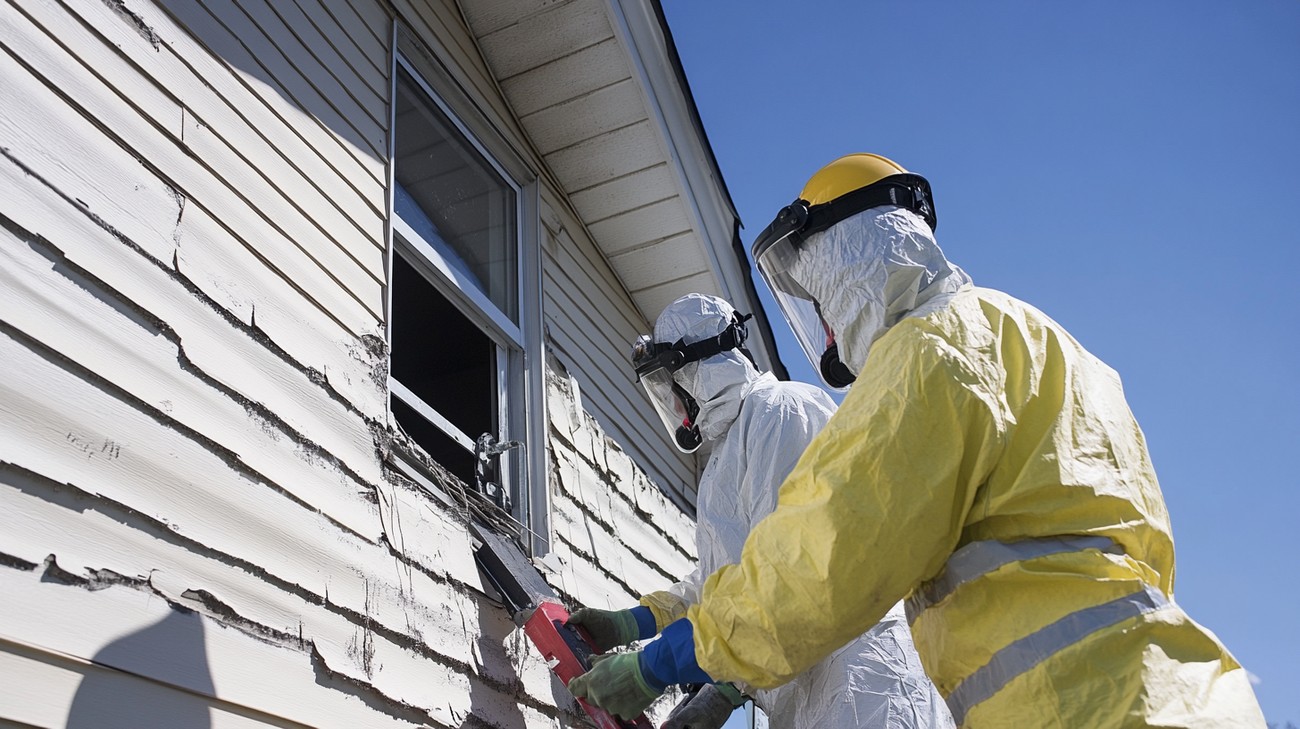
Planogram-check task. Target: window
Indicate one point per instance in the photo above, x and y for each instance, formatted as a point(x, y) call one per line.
point(461, 317)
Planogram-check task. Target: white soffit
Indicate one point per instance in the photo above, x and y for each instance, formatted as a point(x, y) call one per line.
point(598, 94)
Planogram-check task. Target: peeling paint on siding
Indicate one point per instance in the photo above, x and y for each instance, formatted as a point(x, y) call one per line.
point(193, 413)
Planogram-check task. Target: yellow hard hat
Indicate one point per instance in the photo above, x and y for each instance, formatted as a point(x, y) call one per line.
point(846, 174)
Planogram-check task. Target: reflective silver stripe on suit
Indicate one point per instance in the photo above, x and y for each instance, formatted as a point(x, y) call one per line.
point(1022, 655)
point(980, 558)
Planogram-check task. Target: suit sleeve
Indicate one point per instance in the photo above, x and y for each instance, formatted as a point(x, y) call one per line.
point(875, 506)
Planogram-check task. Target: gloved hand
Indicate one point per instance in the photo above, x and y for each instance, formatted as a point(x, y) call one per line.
point(616, 684)
point(608, 628)
point(707, 708)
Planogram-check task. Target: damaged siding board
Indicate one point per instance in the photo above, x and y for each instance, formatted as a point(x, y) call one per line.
point(453, 627)
point(263, 142)
point(105, 86)
point(460, 634)
point(593, 328)
point(618, 535)
point(213, 347)
point(194, 410)
point(68, 313)
point(613, 540)
point(97, 116)
point(122, 629)
point(183, 488)
point(596, 475)
point(616, 400)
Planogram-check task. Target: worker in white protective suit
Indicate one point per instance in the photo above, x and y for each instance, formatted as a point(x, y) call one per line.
point(708, 392)
point(984, 466)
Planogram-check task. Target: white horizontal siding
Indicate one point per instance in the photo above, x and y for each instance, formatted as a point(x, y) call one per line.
point(192, 409)
point(195, 522)
point(154, 665)
point(227, 354)
point(256, 43)
point(592, 326)
point(69, 94)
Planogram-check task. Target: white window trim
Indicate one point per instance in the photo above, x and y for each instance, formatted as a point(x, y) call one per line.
point(525, 337)
point(456, 284)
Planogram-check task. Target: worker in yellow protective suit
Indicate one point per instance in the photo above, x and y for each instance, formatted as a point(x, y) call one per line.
point(986, 467)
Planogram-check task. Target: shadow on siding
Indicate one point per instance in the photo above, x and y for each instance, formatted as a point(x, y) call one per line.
point(173, 647)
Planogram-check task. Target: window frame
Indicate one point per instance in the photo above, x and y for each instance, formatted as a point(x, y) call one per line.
point(520, 400)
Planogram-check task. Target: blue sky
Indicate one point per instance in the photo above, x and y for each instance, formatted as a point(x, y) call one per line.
point(1132, 169)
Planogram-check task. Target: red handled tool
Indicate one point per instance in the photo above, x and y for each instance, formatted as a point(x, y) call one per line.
point(567, 649)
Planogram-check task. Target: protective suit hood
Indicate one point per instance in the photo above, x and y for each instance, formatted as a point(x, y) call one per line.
point(718, 383)
point(869, 271)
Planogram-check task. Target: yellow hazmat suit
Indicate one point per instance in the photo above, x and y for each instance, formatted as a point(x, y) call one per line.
point(987, 468)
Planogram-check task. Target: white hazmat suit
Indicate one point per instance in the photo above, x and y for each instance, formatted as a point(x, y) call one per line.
point(757, 427)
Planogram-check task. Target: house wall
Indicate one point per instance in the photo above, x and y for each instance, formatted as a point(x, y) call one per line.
point(198, 524)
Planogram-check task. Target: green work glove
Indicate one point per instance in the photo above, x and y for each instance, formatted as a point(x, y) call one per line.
point(616, 684)
point(608, 628)
point(708, 708)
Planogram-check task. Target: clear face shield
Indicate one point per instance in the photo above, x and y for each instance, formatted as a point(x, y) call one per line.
point(775, 253)
point(777, 250)
point(656, 364)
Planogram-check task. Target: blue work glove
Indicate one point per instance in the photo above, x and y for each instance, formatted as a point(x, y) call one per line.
point(617, 684)
point(708, 708)
point(613, 628)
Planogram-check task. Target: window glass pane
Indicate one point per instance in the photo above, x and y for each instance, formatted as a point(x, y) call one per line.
point(454, 198)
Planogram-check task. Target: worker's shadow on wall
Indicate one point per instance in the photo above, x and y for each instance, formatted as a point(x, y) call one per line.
point(171, 649)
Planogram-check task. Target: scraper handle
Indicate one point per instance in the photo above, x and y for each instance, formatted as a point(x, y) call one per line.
point(567, 649)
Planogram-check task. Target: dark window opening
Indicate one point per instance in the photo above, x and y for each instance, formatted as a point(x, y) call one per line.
point(447, 362)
